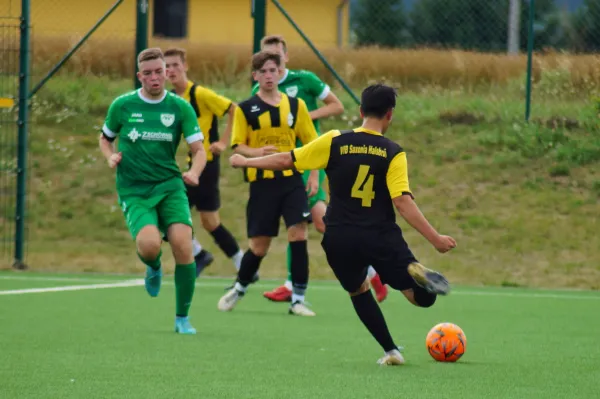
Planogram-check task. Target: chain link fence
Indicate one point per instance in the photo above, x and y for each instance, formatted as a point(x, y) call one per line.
point(496, 26)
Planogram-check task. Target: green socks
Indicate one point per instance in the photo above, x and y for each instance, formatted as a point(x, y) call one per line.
point(185, 282)
point(155, 264)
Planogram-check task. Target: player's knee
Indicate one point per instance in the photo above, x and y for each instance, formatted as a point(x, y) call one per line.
point(298, 232)
point(180, 239)
point(423, 298)
point(148, 244)
point(210, 221)
point(259, 246)
point(319, 225)
point(364, 287)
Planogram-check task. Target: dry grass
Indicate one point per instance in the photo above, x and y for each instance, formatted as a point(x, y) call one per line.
point(408, 68)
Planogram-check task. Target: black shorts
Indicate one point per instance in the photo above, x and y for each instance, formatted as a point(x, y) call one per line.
point(271, 199)
point(351, 250)
point(206, 197)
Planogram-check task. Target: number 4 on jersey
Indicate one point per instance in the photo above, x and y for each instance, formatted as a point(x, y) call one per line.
point(364, 180)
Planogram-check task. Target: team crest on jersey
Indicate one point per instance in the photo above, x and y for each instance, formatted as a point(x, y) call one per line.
point(292, 91)
point(290, 119)
point(167, 119)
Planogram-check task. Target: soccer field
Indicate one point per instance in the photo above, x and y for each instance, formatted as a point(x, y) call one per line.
point(102, 336)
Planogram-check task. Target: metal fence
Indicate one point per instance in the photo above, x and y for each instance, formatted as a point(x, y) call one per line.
point(497, 26)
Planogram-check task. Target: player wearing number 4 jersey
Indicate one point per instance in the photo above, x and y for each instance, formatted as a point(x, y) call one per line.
point(367, 178)
point(308, 87)
point(149, 124)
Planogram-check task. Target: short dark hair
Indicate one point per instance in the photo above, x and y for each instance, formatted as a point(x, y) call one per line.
point(377, 100)
point(259, 59)
point(176, 52)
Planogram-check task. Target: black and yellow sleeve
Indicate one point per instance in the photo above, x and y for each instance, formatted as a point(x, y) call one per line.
point(239, 131)
point(397, 176)
point(314, 155)
point(305, 129)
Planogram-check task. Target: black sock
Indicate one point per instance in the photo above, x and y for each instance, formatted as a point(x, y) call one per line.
point(225, 241)
point(248, 268)
point(299, 266)
point(370, 314)
point(423, 298)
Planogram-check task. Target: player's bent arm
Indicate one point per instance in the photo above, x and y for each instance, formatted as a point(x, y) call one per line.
point(198, 157)
point(106, 146)
point(408, 209)
point(226, 138)
point(247, 151)
point(399, 188)
point(333, 106)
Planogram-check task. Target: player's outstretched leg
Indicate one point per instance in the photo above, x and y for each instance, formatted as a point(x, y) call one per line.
point(434, 282)
point(248, 270)
point(148, 250)
point(371, 316)
point(185, 275)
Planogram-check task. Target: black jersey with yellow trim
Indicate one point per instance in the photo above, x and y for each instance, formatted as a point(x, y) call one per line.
point(365, 171)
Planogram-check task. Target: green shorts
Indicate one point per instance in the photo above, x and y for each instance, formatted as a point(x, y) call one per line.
point(320, 195)
point(160, 210)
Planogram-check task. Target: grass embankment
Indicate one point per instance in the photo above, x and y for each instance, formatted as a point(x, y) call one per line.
point(521, 199)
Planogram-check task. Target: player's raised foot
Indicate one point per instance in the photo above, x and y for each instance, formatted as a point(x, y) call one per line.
point(203, 260)
point(391, 358)
point(279, 294)
point(152, 281)
point(183, 326)
point(381, 290)
point(431, 280)
point(300, 309)
point(229, 300)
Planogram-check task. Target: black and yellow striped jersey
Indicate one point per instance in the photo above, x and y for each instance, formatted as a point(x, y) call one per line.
point(365, 172)
point(258, 124)
point(209, 107)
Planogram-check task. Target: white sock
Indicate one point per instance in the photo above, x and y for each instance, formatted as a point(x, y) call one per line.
point(237, 260)
point(288, 285)
point(297, 298)
point(197, 246)
point(371, 272)
point(240, 288)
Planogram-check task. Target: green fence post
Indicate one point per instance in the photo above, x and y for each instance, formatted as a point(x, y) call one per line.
point(141, 34)
point(22, 124)
point(529, 59)
point(259, 13)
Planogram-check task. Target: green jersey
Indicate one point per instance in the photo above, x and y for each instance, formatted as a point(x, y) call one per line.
point(149, 133)
point(305, 85)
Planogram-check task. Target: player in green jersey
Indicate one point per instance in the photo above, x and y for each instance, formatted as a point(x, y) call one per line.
point(149, 123)
point(307, 86)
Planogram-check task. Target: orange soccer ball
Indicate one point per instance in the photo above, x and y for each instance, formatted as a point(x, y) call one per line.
point(446, 342)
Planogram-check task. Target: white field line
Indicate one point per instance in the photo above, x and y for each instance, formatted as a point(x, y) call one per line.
point(222, 284)
point(129, 283)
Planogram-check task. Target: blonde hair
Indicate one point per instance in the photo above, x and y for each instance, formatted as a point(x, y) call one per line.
point(150, 54)
point(273, 39)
